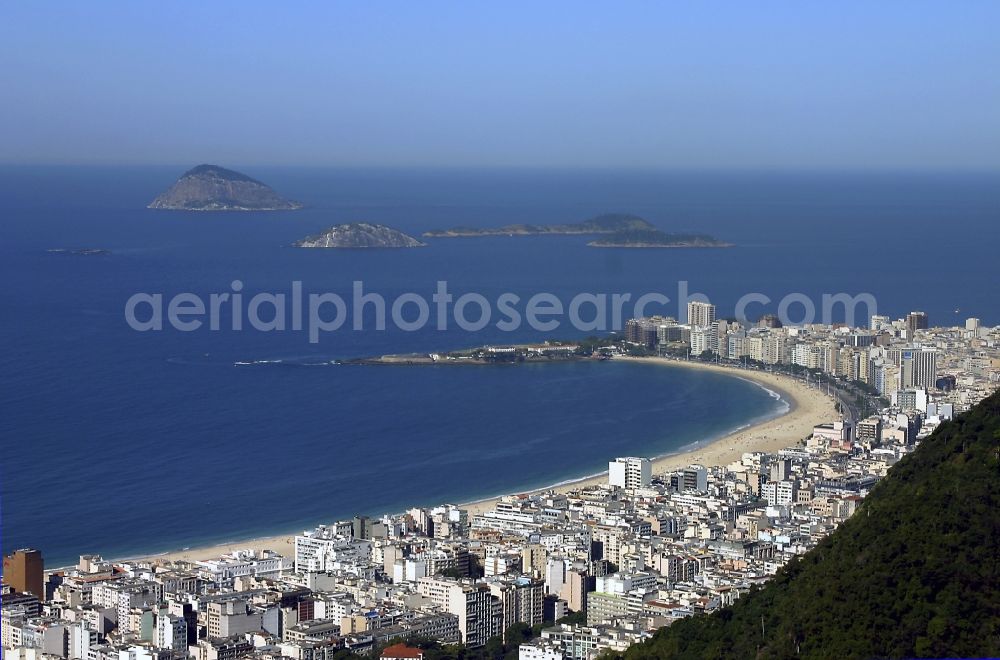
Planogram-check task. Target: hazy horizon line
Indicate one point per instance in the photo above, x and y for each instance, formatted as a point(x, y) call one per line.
point(647, 169)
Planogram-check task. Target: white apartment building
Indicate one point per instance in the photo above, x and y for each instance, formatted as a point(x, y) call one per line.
point(480, 613)
point(316, 552)
point(700, 340)
point(917, 366)
point(700, 314)
point(780, 493)
point(630, 472)
point(171, 632)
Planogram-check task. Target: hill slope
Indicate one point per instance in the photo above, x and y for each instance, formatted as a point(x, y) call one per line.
point(915, 572)
point(359, 235)
point(214, 188)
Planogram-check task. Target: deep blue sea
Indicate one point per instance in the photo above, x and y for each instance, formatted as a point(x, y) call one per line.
point(120, 442)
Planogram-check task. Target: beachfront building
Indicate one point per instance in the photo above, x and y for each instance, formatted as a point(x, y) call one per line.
point(630, 472)
point(700, 340)
point(700, 314)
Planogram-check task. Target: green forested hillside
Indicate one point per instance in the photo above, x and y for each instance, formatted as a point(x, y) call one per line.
point(913, 573)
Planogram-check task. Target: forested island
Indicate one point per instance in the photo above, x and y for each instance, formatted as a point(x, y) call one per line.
point(602, 224)
point(616, 230)
point(654, 238)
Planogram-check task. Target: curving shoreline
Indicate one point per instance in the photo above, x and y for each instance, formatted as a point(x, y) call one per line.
point(807, 406)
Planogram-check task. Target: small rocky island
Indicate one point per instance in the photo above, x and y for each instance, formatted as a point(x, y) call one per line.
point(616, 230)
point(214, 188)
point(359, 235)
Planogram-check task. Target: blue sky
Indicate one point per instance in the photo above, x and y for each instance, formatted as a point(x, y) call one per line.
point(693, 85)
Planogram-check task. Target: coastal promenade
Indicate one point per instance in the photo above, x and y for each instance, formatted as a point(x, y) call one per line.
point(807, 406)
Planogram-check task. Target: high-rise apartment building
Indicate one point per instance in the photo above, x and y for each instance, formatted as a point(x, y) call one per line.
point(869, 431)
point(781, 469)
point(24, 571)
point(700, 341)
point(773, 350)
point(700, 314)
point(644, 331)
point(879, 322)
point(694, 477)
point(521, 599)
point(630, 472)
point(779, 493)
point(915, 321)
point(917, 366)
point(480, 613)
point(769, 321)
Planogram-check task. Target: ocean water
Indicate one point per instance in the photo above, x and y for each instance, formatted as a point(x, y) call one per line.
point(119, 442)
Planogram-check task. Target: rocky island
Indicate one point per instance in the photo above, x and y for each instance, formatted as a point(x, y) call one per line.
point(80, 252)
point(602, 224)
point(654, 238)
point(214, 188)
point(616, 230)
point(359, 235)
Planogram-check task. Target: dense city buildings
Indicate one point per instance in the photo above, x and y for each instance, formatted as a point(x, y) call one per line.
point(889, 356)
point(623, 557)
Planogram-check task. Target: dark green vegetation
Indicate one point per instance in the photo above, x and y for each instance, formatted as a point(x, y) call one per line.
point(612, 222)
point(655, 238)
point(915, 572)
point(602, 224)
point(608, 223)
point(608, 345)
point(220, 173)
point(620, 230)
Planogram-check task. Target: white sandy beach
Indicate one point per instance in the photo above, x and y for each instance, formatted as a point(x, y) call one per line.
point(808, 406)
